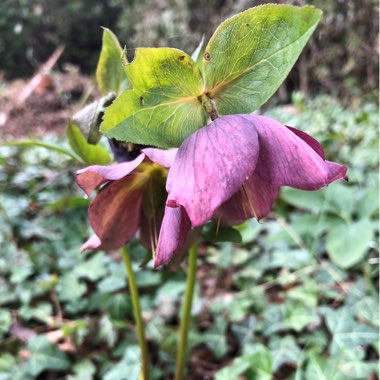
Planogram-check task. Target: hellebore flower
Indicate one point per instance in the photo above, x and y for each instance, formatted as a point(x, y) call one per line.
point(232, 169)
point(132, 198)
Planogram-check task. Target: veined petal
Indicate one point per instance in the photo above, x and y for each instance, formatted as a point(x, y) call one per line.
point(286, 159)
point(160, 156)
point(211, 165)
point(254, 199)
point(88, 179)
point(114, 214)
point(173, 233)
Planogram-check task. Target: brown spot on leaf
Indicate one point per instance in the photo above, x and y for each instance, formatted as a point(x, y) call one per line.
point(181, 57)
point(141, 101)
point(207, 56)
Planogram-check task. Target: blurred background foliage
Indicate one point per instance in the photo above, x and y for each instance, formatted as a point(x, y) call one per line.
point(341, 58)
point(297, 300)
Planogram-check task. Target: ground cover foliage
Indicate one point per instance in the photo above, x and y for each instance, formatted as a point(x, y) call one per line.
point(297, 300)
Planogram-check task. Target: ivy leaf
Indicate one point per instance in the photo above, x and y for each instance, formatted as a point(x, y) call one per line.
point(45, 355)
point(110, 74)
point(128, 367)
point(163, 108)
point(90, 154)
point(347, 245)
point(347, 334)
point(250, 54)
point(322, 369)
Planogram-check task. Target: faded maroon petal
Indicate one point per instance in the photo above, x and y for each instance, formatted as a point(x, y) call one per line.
point(211, 165)
point(92, 244)
point(88, 179)
point(285, 159)
point(162, 157)
point(254, 199)
point(173, 233)
point(114, 214)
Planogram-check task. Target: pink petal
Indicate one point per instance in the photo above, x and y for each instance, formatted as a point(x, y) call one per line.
point(254, 199)
point(92, 244)
point(285, 159)
point(211, 165)
point(88, 179)
point(162, 157)
point(173, 233)
point(114, 214)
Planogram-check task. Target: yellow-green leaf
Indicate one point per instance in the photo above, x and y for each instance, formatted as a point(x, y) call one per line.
point(153, 118)
point(163, 108)
point(91, 154)
point(110, 74)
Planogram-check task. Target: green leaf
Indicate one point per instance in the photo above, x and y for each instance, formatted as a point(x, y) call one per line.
point(45, 355)
point(258, 363)
point(214, 233)
point(110, 74)
point(347, 245)
point(5, 322)
point(250, 54)
point(90, 154)
point(163, 108)
point(215, 337)
point(127, 368)
point(165, 69)
point(54, 148)
point(347, 334)
point(319, 368)
point(307, 200)
point(284, 351)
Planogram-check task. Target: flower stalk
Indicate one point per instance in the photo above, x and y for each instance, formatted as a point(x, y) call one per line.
point(186, 313)
point(144, 374)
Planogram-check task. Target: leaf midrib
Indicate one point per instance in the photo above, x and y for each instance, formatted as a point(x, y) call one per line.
point(214, 90)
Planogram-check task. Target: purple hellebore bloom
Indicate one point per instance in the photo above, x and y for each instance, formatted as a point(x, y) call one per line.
point(132, 198)
point(232, 169)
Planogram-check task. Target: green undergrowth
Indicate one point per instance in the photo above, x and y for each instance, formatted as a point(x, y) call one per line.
point(297, 300)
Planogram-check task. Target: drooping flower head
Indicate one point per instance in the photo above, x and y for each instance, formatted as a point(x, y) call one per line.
point(233, 168)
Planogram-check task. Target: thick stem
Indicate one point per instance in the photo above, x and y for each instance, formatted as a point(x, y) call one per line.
point(186, 311)
point(209, 106)
point(137, 314)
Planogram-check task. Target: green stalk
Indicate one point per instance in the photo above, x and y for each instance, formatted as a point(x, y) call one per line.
point(185, 315)
point(144, 375)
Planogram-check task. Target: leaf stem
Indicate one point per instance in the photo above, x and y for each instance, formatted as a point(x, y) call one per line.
point(137, 314)
point(185, 314)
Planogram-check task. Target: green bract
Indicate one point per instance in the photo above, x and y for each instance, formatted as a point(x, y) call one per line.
point(244, 63)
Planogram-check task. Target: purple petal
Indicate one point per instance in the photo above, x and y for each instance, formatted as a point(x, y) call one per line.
point(211, 165)
point(254, 199)
point(173, 233)
point(88, 179)
point(162, 157)
point(285, 159)
point(309, 140)
point(114, 214)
